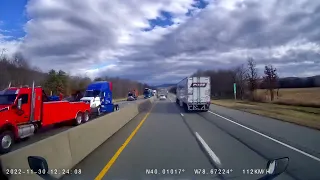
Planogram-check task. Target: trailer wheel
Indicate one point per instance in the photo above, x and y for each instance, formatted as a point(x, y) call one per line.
point(86, 117)
point(7, 141)
point(78, 119)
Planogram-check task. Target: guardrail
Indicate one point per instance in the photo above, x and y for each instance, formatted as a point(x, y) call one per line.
point(68, 148)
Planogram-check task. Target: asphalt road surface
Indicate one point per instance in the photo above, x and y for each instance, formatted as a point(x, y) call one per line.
point(219, 144)
point(52, 130)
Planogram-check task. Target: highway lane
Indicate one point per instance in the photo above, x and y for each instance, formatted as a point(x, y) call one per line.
point(169, 139)
point(52, 130)
point(284, 131)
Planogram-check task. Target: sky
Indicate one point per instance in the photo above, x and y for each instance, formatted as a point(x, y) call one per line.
point(162, 41)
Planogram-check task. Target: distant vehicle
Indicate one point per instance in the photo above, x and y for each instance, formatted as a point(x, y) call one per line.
point(274, 168)
point(99, 96)
point(134, 93)
point(162, 91)
point(147, 93)
point(154, 92)
point(131, 97)
point(54, 98)
point(162, 97)
point(23, 111)
point(193, 93)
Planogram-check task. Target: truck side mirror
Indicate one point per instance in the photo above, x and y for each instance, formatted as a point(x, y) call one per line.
point(277, 166)
point(19, 103)
point(39, 165)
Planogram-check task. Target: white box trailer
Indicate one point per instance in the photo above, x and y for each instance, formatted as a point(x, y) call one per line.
point(193, 93)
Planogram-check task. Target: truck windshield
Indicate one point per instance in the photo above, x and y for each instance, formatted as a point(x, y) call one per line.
point(130, 94)
point(7, 99)
point(93, 93)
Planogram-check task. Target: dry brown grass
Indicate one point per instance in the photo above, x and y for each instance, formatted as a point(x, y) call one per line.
point(309, 97)
point(306, 116)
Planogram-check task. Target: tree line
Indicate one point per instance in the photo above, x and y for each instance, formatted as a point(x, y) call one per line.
point(16, 71)
point(247, 79)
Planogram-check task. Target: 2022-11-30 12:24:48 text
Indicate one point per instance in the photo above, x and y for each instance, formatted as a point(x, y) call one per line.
point(19, 171)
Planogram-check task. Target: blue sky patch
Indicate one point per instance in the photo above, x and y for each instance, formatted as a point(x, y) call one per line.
point(198, 4)
point(164, 20)
point(12, 18)
point(201, 4)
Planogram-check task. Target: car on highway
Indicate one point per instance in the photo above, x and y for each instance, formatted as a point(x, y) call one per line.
point(162, 97)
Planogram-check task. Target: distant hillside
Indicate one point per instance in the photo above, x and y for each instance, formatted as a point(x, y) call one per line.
point(17, 71)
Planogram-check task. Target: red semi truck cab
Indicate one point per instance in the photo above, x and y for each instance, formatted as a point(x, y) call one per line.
point(24, 110)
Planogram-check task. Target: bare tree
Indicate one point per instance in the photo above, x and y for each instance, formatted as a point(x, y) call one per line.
point(270, 79)
point(20, 61)
point(252, 77)
point(240, 80)
point(2, 53)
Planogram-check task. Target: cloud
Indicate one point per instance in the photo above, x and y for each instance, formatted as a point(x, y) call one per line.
point(8, 46)
point(108, 38)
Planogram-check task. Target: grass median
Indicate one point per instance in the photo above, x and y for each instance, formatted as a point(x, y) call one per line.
point(306, 116)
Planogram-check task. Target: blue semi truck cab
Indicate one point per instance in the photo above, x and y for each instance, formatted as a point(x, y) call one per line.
point(147, 93)
point(99, 95)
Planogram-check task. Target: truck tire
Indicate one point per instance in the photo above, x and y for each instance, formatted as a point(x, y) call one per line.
point(86, 117)
point(7, 140)
point(78, 119)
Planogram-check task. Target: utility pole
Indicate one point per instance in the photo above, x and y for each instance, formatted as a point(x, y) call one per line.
point(235, 91)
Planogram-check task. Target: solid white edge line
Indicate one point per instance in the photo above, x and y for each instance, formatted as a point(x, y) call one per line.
point(268, 137)
point(213, 156)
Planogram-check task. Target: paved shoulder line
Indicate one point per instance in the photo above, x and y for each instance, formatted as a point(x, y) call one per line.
point(212, 155)
point(268, 137)
point(117, 154)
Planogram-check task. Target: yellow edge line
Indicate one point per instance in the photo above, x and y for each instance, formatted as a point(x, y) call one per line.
point(116, 155)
